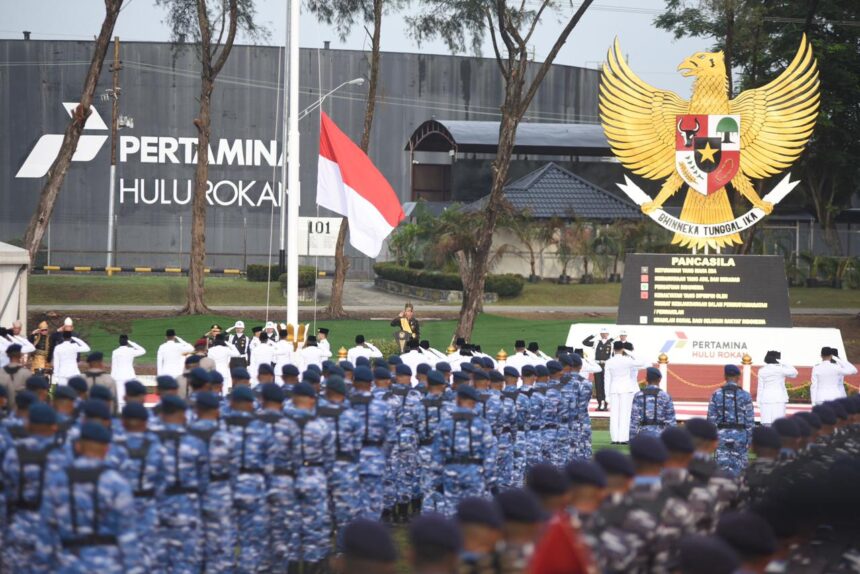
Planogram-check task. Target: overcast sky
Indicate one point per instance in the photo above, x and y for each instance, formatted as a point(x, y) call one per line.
point(652, 53)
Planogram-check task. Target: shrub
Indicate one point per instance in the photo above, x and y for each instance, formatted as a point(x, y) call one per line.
point(388, 346)
point(307, 277)
point(508, 285)
point(802, 394)
point(260, 273)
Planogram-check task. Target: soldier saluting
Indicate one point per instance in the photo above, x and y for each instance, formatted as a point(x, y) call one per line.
point(242, 343)
point(408, 326)
point(602, 353)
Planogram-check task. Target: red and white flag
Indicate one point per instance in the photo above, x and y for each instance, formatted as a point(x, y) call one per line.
point(349, 184)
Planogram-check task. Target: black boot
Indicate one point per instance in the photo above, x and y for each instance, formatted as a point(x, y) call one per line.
point(405, 515)
point(417, 502)
point(386, 515)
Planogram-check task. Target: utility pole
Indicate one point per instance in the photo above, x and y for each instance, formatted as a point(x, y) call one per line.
point(114, 125)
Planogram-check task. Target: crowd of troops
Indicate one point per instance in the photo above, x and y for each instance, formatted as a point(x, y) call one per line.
point(264, 472)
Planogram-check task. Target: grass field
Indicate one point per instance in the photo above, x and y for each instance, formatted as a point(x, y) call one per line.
point(162, 290)
point(492, 332)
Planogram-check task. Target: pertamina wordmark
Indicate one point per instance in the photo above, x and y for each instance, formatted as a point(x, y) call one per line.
point(710, 142)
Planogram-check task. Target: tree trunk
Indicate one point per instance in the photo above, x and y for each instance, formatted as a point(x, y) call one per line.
point(341, 263)
point(195, 304)
point(57, 173)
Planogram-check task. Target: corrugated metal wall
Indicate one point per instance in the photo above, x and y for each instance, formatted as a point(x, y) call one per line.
point(159, 85)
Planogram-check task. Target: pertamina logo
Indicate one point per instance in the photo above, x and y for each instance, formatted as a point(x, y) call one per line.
point(678, 343)
point(46, 149)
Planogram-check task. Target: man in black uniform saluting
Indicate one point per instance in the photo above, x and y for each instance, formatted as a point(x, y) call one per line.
point(407, 325)
point(602, 351)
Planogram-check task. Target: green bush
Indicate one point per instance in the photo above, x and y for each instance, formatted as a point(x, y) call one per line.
point(508, 285)
point(307, 277)
point(388, 346)
point(802, 394)
point(260, 273)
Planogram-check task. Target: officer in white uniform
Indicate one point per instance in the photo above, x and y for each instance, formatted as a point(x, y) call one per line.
point(122, 366)
point(171, 355)
point(827, 376)
point(772, 395)
point(621, 386)
point(66, 358)
point(322, 341)
point(362, 349)
point(312, 354)
point(222, 351)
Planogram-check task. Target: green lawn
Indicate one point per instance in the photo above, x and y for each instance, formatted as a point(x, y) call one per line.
point(492, 332)
point(169, 290)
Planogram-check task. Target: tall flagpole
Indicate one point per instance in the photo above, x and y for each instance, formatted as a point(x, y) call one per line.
point(293, 184)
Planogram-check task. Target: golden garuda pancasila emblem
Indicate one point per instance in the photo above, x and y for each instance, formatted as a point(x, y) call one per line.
point(709, 142)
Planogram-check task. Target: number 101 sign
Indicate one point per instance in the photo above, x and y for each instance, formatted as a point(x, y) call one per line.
point(318, 235)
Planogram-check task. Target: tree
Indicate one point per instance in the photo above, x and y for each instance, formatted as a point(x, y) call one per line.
point(535, 235)
point(57, 173)
point(202, 21)
point(344, 14)
point(727, 126)
point(511, 28)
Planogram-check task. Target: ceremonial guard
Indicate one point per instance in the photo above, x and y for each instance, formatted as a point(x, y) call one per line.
point(653, 409)
point(621, 385)
point(65, 359)
point(314, 455)
point(580, 421)
point(322, 340)
point(827, 377)
point(772, 395)
point(362, 349)
point(170, 359)
point(14, 375)
point(602, 352)
point(312, 354)
point(466, 449)
point(731, 409)
point(187, 481)
point(58, 337)
point(240, 340)
point(252, 438)
point(224, 355)
point(122, 366)
point(88, 520)
point(42, 343)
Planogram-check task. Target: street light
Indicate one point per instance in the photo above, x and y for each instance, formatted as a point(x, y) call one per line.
point(319, 102)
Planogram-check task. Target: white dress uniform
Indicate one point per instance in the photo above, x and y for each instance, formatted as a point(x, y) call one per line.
point(368, 350)
point(325, 346)
point(66, 359)
point(222, 354)
point(122, 368)
point(621, 386)
point(414, 358)
point(772, 395)
point(283, 356)
point(519, 360)
point(827, 380)
point(589, 367)
point(311, 354)
point(260, 354)
point(26, 347)
point(171, 357)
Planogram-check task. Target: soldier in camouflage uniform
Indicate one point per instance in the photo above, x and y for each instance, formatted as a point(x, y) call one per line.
point(676, 477)
point(377, 438)
point(580, 421)
point(144, 470)
point(27, 465)
point(314, 455)
point(252, 439)
point(640, 533)
point(653, 409)
point(555, 413)
point(757, 478)
point(343, 485)
point(731, 409)
point(219, 521)
point(382, 392)
point(405, 464)
point(704, 469)
point(507, 428)
point(466, 448)
point(187, 480)
point(428, 415)
point(88, 516)
point(534, 432)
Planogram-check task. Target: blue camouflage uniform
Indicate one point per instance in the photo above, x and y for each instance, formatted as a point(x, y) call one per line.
point(534, 434)
point(429, 414)
point(187, 466)
point(731, 409)
point(466, 449)
point(389, 479)
point(377, 439)
point(281, 496)
point(653, 411)
point(563, 452)
point(314, 454)
point(405, 453)
point(580, 422)
point(252, 438)
point(551, 416)
point(116, 455)
point(27, 465)
point(521, 440)
point(88, 521)
point(145, 472)
point(505, 431)
point(343, 485)
point(216, 508)
point(5, 445)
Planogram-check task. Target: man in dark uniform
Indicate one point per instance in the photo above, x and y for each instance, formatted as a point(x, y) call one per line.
point(602, 352)
point(407, 325)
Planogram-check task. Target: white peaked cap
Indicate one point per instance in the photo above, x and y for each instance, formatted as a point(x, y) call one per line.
point(67, 322)
point(622, 333)
point(270, 325)
point(604, 329)
point(239, 325)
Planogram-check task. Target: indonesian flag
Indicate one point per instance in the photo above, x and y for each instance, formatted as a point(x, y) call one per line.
point(349, 184)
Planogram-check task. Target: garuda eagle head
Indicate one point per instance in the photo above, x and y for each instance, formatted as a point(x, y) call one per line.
point(703, 64)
